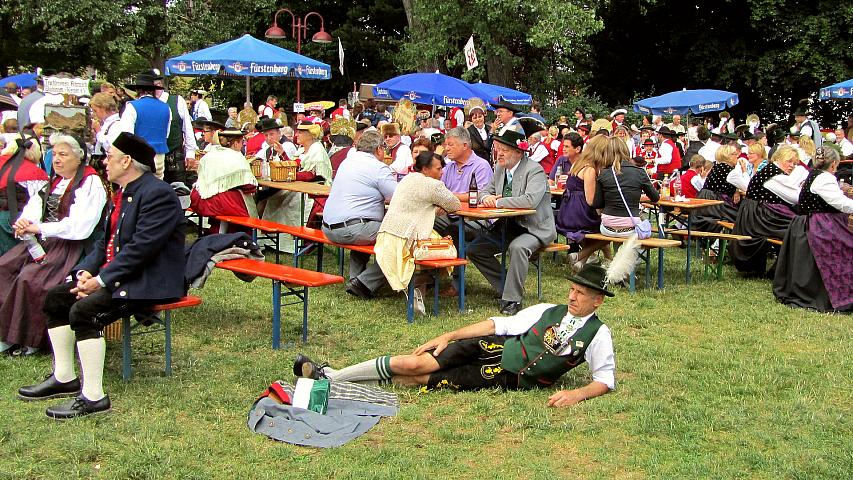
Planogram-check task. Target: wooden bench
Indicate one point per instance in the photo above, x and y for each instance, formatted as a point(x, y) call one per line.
point(296, 281)
point(537, 262)
point(435, 266)
point(317, 236)
point(726, 225)
point(647, 245)
point(163, 324)
point(263, 229)
point(723, 238)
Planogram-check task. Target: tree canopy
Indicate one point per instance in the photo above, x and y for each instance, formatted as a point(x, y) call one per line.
point(600, 53)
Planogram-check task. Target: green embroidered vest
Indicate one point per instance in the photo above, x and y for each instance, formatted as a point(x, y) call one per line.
point(532, 355)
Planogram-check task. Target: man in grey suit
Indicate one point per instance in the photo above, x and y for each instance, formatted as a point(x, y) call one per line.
point(517, 183)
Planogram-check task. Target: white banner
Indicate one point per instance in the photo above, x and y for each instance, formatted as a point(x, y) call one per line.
point(298, 108)
point(341, 54)
point(70, 86)
point(470, 54)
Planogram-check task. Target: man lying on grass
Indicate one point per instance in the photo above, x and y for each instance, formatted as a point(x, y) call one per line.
point(530, 349)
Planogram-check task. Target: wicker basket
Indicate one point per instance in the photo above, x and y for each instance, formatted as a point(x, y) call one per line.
point(192, 163)
point(256, 164)
point(283, 171)
point(112, 331)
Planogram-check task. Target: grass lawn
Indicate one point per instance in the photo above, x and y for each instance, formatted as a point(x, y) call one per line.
point(714, 379)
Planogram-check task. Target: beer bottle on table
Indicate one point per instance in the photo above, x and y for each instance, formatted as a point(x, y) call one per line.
point(473, 192)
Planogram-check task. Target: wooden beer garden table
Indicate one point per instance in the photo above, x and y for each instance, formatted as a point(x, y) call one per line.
point(672, 208)
point(305, 188)
point(483, 213)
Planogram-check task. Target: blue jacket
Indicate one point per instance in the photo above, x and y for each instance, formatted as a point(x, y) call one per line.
point(152, 122)
point(149, 246)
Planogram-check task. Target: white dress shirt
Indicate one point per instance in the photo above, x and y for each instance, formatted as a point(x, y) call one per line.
point(826, 185)
point(108, 133)
point(538, 152)
point(598, 355)
point(709, 150)
point(788, 187)
point(403, 159)
point(201, 109)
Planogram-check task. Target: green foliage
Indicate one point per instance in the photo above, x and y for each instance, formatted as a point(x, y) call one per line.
point(530, 46)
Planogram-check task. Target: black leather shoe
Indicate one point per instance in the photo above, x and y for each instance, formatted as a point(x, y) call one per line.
point(49, 388)
point(305, 367)
point(298, 362)
point(78, 407)
point(510, 308)
point(358, 289)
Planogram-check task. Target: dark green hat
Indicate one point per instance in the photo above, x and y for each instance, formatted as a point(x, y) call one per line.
point(512, 138)
point(592, 276)
point(266, 123)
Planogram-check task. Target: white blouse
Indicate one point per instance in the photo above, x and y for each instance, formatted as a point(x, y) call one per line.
point(84, 215)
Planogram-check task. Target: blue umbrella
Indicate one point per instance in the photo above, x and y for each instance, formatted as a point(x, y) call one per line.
point(839, 90)
point(427, 89)
point(687, 101)
point(23, 80)
point(489, 92)
point(249, 57)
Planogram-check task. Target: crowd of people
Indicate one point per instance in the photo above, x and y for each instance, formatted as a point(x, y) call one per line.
point(91, 231)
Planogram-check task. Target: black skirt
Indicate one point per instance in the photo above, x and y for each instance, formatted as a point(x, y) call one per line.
point(797, 280)
point(705, 219)
point(759, 221)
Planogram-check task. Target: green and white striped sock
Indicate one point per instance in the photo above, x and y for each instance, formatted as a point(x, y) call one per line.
point(375, 370)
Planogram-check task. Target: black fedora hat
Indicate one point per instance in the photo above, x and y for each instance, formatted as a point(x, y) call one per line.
point(500, 102)
point(666, 131)
point(137, 147)
point(144, 80)
point(204, 122)
point(266, 123)
point(592, 276)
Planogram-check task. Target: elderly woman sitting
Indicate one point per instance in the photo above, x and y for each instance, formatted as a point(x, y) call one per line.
point(808, 271)
point(767, 210)
point(410, 217)
point(74, 207)
point(314, 166)
point(225, 182)
point(20, 158)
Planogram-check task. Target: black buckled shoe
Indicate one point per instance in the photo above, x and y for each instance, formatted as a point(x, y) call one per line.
point(78, 407)
point(305, 367)
point(510, 308)
point(49, 388)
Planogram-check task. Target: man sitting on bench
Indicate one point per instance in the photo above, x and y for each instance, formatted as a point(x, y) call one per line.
point(139, 262)
point(355, 208)
point(531, 349)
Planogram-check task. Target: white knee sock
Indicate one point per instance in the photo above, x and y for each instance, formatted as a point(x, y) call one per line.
point(62, 341)
point(92, 352)
point(376, 370)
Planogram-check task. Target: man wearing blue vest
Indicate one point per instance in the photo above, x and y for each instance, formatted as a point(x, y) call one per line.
point(148, 117)
point(530, 349)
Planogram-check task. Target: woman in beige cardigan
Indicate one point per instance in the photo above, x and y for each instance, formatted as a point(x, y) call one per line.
point(410, 217)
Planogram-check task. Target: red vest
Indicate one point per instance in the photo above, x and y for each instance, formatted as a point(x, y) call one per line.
point(687, 188)
point(453, 117)
point(675, 164)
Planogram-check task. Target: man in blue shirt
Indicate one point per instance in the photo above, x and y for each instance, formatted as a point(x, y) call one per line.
point(355, 208)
